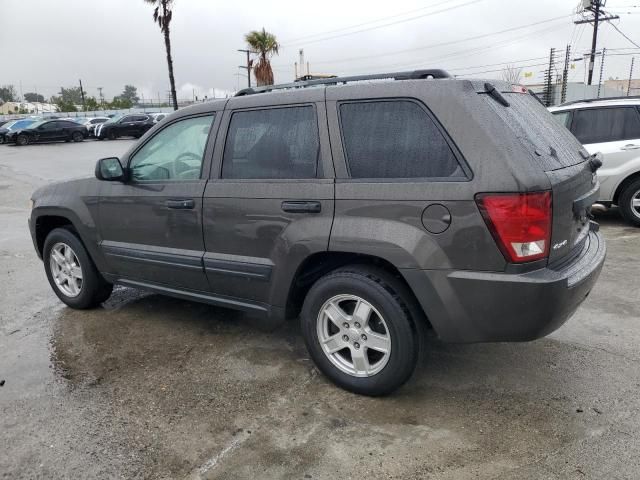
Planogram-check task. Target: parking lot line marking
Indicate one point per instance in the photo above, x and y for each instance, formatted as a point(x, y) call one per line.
point(213, 461)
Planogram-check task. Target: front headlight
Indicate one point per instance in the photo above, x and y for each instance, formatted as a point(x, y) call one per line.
point(31, 203)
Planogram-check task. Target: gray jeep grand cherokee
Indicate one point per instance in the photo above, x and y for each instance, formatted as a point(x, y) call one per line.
point(369, 207)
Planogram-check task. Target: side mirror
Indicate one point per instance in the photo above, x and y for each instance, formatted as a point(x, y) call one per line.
point(109, 169)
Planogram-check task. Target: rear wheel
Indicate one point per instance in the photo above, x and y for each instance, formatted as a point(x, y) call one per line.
point(358, 329)
point(77, 137)
point(70, 271)
point(629, 203)
point(22, 140)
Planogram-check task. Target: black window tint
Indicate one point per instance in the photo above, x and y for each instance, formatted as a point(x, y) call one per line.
point(272, 143)
point(394, 139)
point(127, 119)
point(67, 124)
point(50, 126)
point(597, 125)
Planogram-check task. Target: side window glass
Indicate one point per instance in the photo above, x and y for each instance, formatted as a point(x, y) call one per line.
point(598, 125)
point(272, 143)
point(50, 126)
point(562, 118)
point(175, 153)
point(395, 139)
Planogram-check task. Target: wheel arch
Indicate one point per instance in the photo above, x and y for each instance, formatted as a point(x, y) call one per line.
point(319, 264)
point(631, 178)
point(45, 224)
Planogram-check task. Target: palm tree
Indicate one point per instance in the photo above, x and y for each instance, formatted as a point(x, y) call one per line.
point(162, 16)
point(265, 45)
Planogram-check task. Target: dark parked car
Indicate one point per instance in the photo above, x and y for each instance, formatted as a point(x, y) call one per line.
point(48, 131)
point(123, 126)
point(369, 210)
point(13, 125)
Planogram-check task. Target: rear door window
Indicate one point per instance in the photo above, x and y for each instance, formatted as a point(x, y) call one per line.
point(272, 143)
point(599, 125)
point(395, 139)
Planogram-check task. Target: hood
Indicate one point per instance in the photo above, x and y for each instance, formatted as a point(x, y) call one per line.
point(76, 184)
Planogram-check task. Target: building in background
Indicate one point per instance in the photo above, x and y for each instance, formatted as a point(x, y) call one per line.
point(9, 108)
point(575, 91)
point(621, 86)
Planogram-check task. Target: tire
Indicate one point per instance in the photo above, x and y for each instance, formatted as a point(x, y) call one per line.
point(112, 135)
point(390, 326)
point(77, 137)
point(626, 200)
point(90, 289)
point(22, 140)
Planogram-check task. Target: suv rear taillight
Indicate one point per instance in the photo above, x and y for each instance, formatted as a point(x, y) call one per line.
point(519, 222)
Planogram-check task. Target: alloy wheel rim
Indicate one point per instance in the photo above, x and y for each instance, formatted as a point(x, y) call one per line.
point(353, 335)
point(66, 270)
point(635, 203)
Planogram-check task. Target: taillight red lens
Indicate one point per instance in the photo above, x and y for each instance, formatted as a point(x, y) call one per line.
point(519, 222)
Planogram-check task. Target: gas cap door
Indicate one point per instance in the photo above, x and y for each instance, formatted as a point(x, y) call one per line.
point(436, 218)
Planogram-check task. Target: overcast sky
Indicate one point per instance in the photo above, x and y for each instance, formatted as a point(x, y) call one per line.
point(45, 44)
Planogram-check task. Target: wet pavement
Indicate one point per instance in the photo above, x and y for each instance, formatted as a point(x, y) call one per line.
point(153, 387)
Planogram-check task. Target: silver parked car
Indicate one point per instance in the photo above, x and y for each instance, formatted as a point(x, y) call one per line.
point(611, 127)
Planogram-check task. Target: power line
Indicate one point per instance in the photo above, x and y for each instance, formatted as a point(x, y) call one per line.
point(622, 33)
point(442, 44)
point(460, 53)
point(294, 40)
point(387, 24)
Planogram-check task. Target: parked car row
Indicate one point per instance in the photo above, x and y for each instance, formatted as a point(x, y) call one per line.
point(36, 129)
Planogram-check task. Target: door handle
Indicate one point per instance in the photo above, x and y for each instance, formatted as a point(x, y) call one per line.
point(631, 146)
point(184, 204)
point(301, 207)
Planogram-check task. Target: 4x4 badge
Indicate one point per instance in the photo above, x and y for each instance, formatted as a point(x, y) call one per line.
point(558, 246)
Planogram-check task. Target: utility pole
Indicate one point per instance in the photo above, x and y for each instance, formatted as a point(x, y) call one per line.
point(604, 51)
point(630, 76)
point(82, 95)
point(247, 66)
point(595, 7)
point(101, 97)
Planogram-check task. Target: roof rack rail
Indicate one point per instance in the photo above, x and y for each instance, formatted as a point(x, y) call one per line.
point(411, 75)
point(589, 100)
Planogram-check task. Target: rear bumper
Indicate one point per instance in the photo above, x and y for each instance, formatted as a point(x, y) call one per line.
point(468, 306)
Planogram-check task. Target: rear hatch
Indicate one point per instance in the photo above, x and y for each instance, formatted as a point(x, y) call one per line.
point(556, 151)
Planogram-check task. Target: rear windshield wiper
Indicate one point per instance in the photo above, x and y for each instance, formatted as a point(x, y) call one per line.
point(495, 94)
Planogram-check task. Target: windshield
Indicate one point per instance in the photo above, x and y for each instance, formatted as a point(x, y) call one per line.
point(22, 124)
point(115, 119)
point(33, 125)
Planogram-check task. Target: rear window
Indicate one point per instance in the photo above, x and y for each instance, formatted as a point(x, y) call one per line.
point(538, 130)
point(395, 139)
point(598, 125)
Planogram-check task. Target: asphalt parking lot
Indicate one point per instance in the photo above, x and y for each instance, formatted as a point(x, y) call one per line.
point(153, 387)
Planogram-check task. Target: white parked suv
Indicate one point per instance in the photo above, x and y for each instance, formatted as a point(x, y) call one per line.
point(612, 127)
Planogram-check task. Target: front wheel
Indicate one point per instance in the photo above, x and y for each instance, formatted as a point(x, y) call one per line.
point(70, 271)
point(112, 135)
point(22, 140)
point(359, 332)
point(629, 203)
